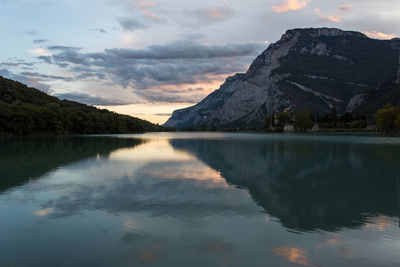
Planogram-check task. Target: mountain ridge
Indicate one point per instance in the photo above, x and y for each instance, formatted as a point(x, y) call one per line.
point(312, 68)
point(26, 110)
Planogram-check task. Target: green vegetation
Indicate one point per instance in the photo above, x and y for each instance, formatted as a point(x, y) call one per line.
point(345, 122)
point(268, 123)
point(283, 118)
point(28, 157)
point(303, 120)
point(25, 110)
point(388, 118)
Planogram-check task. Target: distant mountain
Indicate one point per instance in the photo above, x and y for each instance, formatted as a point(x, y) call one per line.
point(25, 110)
point(314, 69)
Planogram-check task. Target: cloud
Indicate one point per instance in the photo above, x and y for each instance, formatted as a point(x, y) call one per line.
point(182, 50)
point(293, 255)
point(216, 14)
point(159, 95)
point(70, 52)
point(145, 6)
point(17, 63)
point(131, 24)
point(345, 8)
point(290, 5)
point(179, 62)
point(44, 76)
point(194, 36)
point(30, 81)
point(100, 30)
point(46, 59)
point(31, 32)
point(39, 41)
point(64, 48)
point(379, 35)
point(169, 196)
point(203, 16)
point(152, 73)
point(40, 52)
point(92, 100)
point(162, 114)
point(330, 18)
point(43, 212)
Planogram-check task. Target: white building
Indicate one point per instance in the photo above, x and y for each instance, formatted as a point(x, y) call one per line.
point(289, 127)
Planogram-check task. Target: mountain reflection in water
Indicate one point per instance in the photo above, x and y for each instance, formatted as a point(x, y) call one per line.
point(209, 199)
point(308, 186)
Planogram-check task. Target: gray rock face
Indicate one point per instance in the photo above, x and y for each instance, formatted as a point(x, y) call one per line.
point(398, 72)
point(314, 69)
point(355, 102)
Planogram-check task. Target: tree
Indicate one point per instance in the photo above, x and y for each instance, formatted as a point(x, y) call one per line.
point(25, 110)
point(267, 123)
point(388, 118)
point(303, 120)
point(283, 118)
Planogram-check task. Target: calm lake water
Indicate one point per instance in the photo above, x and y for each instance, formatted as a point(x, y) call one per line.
point(200, 199)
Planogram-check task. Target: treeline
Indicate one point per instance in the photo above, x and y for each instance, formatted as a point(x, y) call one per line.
point(388, 118)
point(304, 120)
point(25, 110)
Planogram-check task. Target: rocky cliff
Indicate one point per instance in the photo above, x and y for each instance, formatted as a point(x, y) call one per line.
point(312, 69)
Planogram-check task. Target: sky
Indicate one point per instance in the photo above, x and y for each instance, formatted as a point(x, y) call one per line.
point(148, 58)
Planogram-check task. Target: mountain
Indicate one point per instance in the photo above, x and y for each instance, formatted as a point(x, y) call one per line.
point(314, 69)
point(25, 110)
point(318, 186)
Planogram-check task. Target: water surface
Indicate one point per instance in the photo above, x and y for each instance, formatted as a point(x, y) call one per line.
point(200, 199)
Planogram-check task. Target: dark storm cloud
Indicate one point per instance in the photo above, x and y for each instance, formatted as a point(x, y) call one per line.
point(180, 62)
point(91, 100)
point(184, 50)
point(69, 54)
point(64, 48)
point(46, 59)
point(44, 76)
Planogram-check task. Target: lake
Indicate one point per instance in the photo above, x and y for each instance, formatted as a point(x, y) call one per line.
point(200, 199)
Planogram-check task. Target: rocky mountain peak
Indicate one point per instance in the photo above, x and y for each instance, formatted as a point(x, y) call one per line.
point(326, 32)
point(313, 68)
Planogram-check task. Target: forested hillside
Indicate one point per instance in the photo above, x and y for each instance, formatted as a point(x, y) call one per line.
point(25, 110)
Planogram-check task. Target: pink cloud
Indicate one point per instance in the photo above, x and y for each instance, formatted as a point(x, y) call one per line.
point(290, 5)
point(331, 18)
point(216, 13)
point(293, 255)
point(144, 7)
point(145, 4)
point(379, 35)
